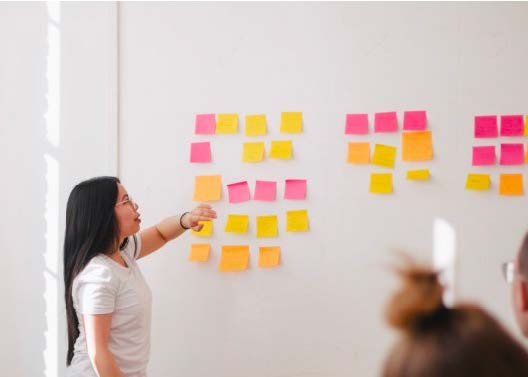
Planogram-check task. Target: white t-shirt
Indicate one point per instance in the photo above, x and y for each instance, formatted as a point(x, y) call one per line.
point(104, 286)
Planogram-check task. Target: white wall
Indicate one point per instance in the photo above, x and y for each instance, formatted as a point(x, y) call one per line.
point(320, 313)
point(58, 125)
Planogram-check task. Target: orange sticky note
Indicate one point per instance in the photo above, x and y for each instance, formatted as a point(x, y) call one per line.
point(199, 252)
point(417, 146)
point(358, 153)
point(511, 184)
point(207, 187)
point(234, 258)
point(269, 256)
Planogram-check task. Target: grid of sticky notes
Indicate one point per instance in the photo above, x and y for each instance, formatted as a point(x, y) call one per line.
point(416, 146)
point(210, 188)
point(499, 142)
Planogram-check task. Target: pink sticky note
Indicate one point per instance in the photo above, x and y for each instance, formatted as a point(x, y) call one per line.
point(415, 120)
point(512, 125)
point(484, 155)
point(265, 190)
point(295, 189)
point(201, 152)
point(356, 124)
point(512, 154)
point(486, 126)
point(385, 122)
point(205, 124)
point(238, 192)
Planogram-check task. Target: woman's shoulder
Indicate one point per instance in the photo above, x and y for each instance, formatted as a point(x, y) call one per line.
point(98, 270)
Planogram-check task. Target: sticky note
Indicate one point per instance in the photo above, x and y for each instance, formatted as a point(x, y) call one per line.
point(511, 125)
point(199, 252)
point(511, 184)
point(281, 149)
point(234, 258)
point(207, 187)
point(484, 155)
point(478, 182)
point(267, 226)
point(205, 124)
point(237, 224)
point(418, 175)
point(384, 155)
point(380, 183)
point(385, 122)
point(265, 190)
point(486, 126)
point(295, 189)
point(253, 152)
point(206, 231)
point(526, 126)
point(227, 124)
point(358, 153)
point(201, 152)
point(356, 124)
point(269, 256)
point(297, 221)
point(238, 192)
point(512, 154)
point(414, 120)
point(417, 146)
point(256, 125)
point(291, 122)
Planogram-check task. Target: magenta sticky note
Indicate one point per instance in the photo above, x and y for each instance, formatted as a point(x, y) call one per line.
point(205, 124)
point(356, 124)
point(265, 190)
point(415, 120)
point(484, 155)
point(512, 125)
point(512, 154)
point(238, 192)
point(385, 122)
point(295, 189)
point(201, 152)
point(486, 126)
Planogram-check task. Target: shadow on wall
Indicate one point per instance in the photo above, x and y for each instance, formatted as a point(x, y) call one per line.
point(29, 133)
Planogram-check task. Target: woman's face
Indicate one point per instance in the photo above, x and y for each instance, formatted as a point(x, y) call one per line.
point(126, 210)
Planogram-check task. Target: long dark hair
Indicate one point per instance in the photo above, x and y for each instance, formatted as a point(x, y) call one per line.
point(91, 229)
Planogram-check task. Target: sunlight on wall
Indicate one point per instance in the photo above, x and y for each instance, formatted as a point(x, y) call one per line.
point(51, 255)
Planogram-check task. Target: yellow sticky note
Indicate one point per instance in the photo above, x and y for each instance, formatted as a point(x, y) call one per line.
point(269, 256)
point(234, 258)
point(256, 125)
point(417, 146)
point(291, 122)
point(207, 230)
point(511, 184)
point(384, 155)
point(237, 223)
point(199, 252)
point(207, 187)
point(227, 124)
point(358, 153)
point(526, 126)
point(267, 226)
point(253, 152)
point(478, 182)
point(282, 149)
point(297, 221)
point(381, 183)
point(418, 175)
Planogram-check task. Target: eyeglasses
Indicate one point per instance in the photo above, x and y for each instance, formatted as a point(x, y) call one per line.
point(510, 272)
point(126, 201)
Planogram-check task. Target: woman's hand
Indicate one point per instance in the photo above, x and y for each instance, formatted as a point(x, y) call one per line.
point(203, 212)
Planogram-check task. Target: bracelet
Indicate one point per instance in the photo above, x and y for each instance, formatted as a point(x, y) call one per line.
point(181, 217)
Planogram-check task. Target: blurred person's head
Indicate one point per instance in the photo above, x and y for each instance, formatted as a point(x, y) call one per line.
point(438, 341)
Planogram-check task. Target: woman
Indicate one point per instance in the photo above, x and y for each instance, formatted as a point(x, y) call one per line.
point(107, 299)
point(436, 341)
